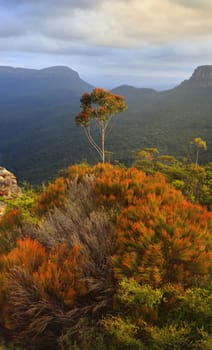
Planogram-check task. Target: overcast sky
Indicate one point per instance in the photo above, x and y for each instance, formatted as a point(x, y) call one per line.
point(145, 43)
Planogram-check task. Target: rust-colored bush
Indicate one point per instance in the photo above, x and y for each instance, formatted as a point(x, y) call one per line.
point(10, 219)
point(10, 225)
point(61, 275)
point(78, 171)
point(163, 238)
point(52, 196)
point(28, 254)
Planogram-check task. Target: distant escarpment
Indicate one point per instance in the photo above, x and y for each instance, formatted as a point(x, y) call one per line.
point(202, 76)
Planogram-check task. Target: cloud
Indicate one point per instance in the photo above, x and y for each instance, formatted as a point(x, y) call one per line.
point(192, 3)
point(124, 24)
point(108, 38)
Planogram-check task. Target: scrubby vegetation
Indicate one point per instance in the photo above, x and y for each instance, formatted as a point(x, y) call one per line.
point(107, 258)
point(194, 180)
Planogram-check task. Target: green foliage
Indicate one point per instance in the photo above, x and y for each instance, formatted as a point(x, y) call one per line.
point(181, 317)
point(199, 144)
point(193, 180)
point(19, 212)
point(10, 347)
point(205, 343)
point(25, 202)
point(124, 333)
point(195, 304)
point(91, 336)
point(169, 337)
point(131, 294)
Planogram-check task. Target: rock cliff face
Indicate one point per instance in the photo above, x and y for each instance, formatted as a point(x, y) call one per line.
point(8, 187)
point(202, 76)
point(8, 184)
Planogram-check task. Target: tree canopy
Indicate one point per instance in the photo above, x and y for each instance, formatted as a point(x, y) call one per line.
point(99, 106)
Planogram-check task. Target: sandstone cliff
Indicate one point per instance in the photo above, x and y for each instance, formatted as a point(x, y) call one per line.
point(202, 76)
point(8, 187)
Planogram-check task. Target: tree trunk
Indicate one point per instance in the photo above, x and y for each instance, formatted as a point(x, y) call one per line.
point(103, 141)
point(197, 158)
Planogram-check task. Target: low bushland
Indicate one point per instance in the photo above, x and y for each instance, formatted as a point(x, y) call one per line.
point(106, 258)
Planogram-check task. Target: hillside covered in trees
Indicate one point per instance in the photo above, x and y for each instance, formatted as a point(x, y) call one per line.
point(38, 135)
point(109, 258)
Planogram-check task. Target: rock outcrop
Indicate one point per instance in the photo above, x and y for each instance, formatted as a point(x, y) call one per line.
point(8, 187)
point(8, 184)
point(202, 76)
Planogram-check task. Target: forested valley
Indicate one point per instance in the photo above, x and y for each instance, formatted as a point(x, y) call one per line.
point(38, 135)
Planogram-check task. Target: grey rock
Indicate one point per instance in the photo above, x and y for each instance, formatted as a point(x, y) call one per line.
point(202, 76)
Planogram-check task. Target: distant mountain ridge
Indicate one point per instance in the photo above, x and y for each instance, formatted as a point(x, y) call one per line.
point(38, 135)
point(201, 77)
point(43, 83)
point(52, 72)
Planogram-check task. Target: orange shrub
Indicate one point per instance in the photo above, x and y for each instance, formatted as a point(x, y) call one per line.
point(162, 240)
point(60, 276)
point(56, 273)
point(117, 186)
point(10, 219)
point(52, 196)
point(122, 187)
point(160, 236)
point(10, 224)
point(78, 171)
point(28, 254)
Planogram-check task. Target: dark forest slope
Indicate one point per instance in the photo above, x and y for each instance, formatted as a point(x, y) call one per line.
point(38, 135)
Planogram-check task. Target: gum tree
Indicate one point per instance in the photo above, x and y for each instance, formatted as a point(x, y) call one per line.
point(199, 144)
point(99, 106)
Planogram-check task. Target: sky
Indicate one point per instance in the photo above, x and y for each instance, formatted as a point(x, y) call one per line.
point(144, 43)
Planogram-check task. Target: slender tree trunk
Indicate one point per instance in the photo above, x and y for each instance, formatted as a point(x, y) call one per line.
point(197, 158)
point(99, 149)
point(103, 140)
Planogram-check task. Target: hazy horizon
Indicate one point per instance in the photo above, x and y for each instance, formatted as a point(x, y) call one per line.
point(159, 87)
